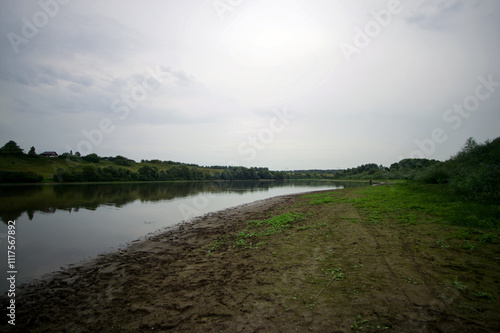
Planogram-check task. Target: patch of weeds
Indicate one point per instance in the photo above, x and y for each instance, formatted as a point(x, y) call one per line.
point(359, 324)
point(468, 245)
point(440, 243)
point(320, 201)
point(359, 266)
point(352, 219)
point(408, 218)
point(314, 226)
point(320, 259)
point(374, 217)
point(484, 295)
point(216, 244)
point(338, 276)
point(255, 246)
point(310, 306)
point(294, 297)
point(458, 285)
point(323, 198)
point(463, 233)
point(305, 227)
point(271, 226)
point(488, 237)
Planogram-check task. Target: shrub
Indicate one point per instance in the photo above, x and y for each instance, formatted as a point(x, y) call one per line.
point(436, 174)
point(19, 177)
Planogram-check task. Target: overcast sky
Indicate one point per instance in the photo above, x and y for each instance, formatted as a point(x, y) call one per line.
point(284, 84)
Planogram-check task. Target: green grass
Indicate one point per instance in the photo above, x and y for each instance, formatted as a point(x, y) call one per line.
point(323, 198)
point(257, 232)
point(258, 228)
point(410, 203)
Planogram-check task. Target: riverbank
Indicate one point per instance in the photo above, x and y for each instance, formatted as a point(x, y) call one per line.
point(339, 261)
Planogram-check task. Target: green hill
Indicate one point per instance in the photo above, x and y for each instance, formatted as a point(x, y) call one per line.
point(17, 167)
point(474, 172)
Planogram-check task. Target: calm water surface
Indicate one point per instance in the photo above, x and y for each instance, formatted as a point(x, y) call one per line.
point(61, 224)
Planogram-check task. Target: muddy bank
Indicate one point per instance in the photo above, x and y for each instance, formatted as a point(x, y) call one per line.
point(332, 271)
point(87, 296)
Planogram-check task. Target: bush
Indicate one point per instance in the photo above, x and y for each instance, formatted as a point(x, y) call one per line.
point(436, 174)
point(93, 158)
point(19, 177)
point(478, 184)
point(473, 173)
point(122, 161)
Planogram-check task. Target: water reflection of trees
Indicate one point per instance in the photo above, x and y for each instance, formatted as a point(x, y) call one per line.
point(15, 200)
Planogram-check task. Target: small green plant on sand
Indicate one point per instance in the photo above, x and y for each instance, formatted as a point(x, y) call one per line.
point(359, 324)
point(484, 295)
point(458, 285)
point(268, 227)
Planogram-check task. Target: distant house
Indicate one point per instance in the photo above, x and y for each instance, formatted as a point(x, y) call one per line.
point(49, 154)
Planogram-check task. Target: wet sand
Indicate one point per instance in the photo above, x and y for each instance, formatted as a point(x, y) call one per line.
point(133, 288)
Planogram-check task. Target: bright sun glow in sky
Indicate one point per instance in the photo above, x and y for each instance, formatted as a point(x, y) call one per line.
point(268, 53)
point(271, 36)
point(192, 82)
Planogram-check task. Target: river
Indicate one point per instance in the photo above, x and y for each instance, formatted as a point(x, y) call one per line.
point(56, 225)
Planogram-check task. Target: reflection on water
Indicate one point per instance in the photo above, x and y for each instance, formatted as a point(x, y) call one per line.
point(15, 200)
point(61, 224)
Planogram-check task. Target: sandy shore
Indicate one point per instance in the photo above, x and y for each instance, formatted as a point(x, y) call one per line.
point(91, 295)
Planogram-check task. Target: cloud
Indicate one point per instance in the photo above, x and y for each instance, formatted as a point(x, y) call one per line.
point(434, 14)
point(219, 82)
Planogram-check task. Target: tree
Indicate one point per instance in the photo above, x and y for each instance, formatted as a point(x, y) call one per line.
point(470, 145)
point(120, 160)
point(93, 158)
point(90, 173)
point(32, 152)
point(148, 173)
point(19, 177)
point(11, 148)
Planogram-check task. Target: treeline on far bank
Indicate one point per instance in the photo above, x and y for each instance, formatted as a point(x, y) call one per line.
point(473, 173)
point(146, 172)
